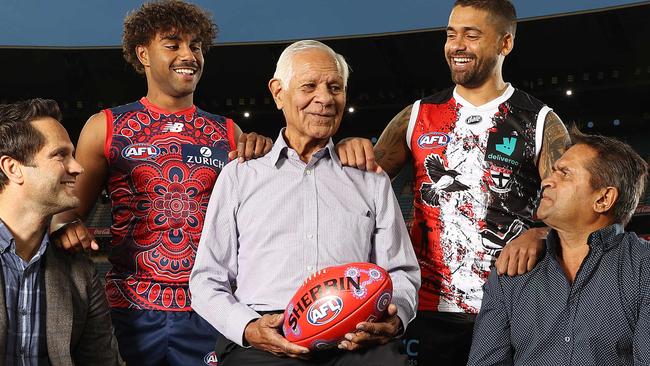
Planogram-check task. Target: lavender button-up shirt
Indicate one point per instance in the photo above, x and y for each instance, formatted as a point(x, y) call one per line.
point(273, 221)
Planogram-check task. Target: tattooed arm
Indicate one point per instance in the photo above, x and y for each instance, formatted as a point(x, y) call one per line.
point(555, 140)
point(520, 255)
point(390, 154)
point(391, 151)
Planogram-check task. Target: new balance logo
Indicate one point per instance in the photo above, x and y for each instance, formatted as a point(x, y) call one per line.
point(508, 145)
point(173, 127)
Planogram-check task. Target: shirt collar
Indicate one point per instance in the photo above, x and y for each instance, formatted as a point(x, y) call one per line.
point(280, 148)
point(603, 238)
point(5, 237)
point(7, 241)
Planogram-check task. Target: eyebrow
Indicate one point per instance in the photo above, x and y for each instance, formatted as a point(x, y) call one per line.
point(465, 29)
point(176, 37)
point(61, 150)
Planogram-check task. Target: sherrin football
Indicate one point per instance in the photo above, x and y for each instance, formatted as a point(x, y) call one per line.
point(332, 301)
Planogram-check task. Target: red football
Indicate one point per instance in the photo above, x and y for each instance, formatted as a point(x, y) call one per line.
point(332, 301)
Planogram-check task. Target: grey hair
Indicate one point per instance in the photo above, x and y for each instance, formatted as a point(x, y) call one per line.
point(284, 69)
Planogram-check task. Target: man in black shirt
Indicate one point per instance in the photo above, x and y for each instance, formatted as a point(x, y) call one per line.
point(587, 302)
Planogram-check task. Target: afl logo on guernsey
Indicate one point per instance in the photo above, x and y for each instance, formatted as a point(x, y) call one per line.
point(433, 140)
point(140, 151)
point(324, 310)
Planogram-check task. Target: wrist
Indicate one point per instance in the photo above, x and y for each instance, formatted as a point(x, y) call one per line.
point(60, 227)
point(248, 329)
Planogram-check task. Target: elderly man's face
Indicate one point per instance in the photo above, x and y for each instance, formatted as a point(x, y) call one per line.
point(314, 99)
point(568, 200)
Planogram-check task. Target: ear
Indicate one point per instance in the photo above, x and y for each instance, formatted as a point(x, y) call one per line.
point(605, 199)
point(275, 86)
point(507, 44)
point(12, 169)
point(143, 55)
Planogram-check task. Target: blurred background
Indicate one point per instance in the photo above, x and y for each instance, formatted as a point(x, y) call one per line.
point(588, 60)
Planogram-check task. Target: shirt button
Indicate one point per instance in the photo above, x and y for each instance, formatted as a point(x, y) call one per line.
point(567, 339)
point(22, 350)
point(310, 268)
point(308, 172)
point(23, 311)
point(309, 236)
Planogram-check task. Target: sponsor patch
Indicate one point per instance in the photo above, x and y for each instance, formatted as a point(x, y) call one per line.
point(211, 359)
point(433, 140)
point(204, 155)
point(508, 145)
point(472, 120)
point(140, 151)
point(504, 149)
point(324, 310)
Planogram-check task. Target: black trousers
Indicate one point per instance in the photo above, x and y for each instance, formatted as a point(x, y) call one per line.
point(439, 338)
point(391, 354)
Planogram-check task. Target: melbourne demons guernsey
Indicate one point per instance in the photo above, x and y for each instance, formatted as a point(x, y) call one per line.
point(475, 188)
point(162, 167)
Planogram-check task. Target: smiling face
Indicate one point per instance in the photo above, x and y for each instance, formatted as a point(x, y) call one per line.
point(50, 177)
point(314, 99)
point(173, 63)
point(475, 48)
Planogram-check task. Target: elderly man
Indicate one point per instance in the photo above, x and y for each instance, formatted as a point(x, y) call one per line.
point(587, 302)
point(53, 307)
point(273, 221)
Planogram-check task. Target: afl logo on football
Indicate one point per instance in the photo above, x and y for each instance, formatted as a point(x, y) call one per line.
point(433, 140)
point(140, 151)
point(324, 310)
point(205, 151)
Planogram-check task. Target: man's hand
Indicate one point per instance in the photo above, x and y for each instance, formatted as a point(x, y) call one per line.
point(74, 237)
point(357, 152)
point(368, 334)
point(264, 334)
point(251, 146)
point(520, 255)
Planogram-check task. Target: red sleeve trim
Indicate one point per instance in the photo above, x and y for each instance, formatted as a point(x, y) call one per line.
point(109, 134)
point(230, 132)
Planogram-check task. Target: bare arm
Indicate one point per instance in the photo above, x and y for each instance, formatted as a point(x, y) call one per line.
point(520, 255)
point(554, 143)
point(391, 151)
point(90, 154)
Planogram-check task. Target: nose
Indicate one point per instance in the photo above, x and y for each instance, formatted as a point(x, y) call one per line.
point(548, 181)
point(456, 44)
point(186, 53)
point(324, 95)
point(74, 168)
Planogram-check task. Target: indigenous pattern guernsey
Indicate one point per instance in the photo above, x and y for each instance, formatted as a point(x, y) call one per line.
point(475, 188)
point(162, 169)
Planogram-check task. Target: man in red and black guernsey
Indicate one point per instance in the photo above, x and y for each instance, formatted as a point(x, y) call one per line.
point(159, 157)
point(478, 152)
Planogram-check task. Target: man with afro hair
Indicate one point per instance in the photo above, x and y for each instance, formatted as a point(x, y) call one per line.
point(159, 158)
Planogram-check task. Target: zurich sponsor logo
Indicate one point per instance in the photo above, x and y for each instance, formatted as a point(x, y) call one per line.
point(211, 359)
point(433, 140)
point(205, 151)
point(324, 310)
point(204, 155)
point(140, 151)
